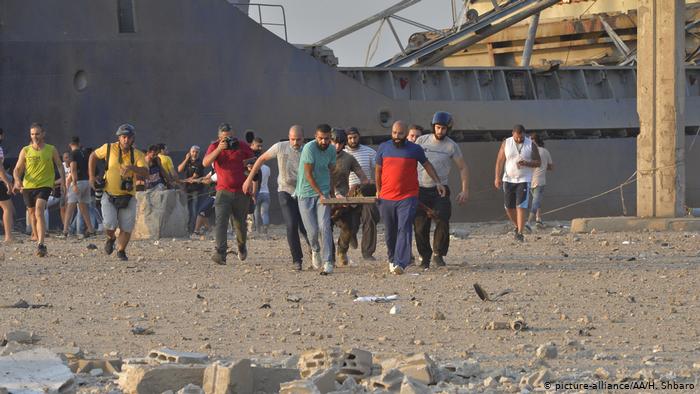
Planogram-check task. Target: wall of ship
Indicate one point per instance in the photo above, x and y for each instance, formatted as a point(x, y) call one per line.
point(189, 65)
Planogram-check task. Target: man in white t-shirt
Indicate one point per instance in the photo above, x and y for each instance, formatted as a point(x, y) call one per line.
point(539, 180)
point(519, 156)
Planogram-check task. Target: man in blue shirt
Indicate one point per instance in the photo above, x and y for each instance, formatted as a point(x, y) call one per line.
point(313, 186)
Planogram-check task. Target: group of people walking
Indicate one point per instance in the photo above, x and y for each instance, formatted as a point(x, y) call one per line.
point(408, 175)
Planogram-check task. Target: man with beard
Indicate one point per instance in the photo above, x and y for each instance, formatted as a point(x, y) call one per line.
point(193, 169)
point(397, 187)
point(368, 214)
point(442, 151)
point(288, 154)
point(345, 217)
point(520, 156)
point(314, 185)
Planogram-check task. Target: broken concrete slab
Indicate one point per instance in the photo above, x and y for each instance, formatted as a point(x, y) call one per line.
point(390, 380)
point(36, 370)
point(191, 389)
point(356, 363)
point(229, 377)
point(299, 387)
point(412, 386)
point(165, 355)
point(418, 366)
point(154, 379)
point(161, 214)
point(23, 337)
point(324, 380)
point(618, 224)
point(14, 347)
point(269, 380)
point(319, 359)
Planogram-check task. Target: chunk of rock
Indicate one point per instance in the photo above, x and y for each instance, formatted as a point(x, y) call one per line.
point(537, 379)
point(154, 379)
point(490, 382)
point(546, 351)
point(324, 380)
point(23, 337)
point(412, 386)
point(36, 370)
point(299, 387)
point(391, 380)
point(468, 369)
point(418, 366)
point(228, 377)
point(161, 214)
point(191, 389)
point(96, 372)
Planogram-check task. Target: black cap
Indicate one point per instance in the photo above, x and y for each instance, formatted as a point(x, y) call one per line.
point(125, 129)
point(225, 127)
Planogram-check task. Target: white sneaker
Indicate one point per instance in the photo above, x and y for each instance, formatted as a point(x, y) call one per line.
point(327, 268)
point(396, 269)
point(316, 260)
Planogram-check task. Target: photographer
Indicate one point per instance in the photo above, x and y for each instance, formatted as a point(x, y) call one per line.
point(228, 155)
point(123, 163)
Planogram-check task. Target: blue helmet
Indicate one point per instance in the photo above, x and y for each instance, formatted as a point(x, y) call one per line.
point(442, 118)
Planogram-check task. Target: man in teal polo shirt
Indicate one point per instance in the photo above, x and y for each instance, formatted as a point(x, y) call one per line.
point(313, 186)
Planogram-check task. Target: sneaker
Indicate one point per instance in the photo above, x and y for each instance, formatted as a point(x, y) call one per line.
point(342, 259)
point(438, 260)
point(515, 230)
point(539, 224)
point(424, 264)
point(63, 236)
point(109, 245)
point(327, 268)
point(121, 255)
point(316, 260)
point(296, 266)
point(519, 237)
point(242, 253)
point(41, 250)
point(396, 269)
point(369, 258)
point(219, 258)
point(528, 228)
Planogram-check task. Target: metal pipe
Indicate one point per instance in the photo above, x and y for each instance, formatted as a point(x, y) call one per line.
point(530, 42)
point(396, 35)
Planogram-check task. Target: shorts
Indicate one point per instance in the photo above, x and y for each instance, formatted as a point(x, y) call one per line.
point(515, 195)
point(113, 218)
point(537, 193)
point(31, 195)
point(4, 195)
point(206, 207)
point(83, 194)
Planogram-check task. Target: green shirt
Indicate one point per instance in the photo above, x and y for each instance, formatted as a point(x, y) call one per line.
point(38, 171)
point(321, 160)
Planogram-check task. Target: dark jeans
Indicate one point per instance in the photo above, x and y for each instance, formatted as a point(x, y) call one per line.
point(398, 217)
point(227, 205)
point(194, 200)
point(292, 219)
point(442, 209)
point(369, 219)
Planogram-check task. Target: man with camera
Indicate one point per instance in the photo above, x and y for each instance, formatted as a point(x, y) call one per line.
point(229, 155)
point(123, 163)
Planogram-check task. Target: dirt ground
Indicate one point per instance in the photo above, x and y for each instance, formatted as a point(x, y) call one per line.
point(623, 301)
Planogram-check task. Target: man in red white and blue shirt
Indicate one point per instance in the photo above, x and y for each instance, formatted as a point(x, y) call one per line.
point(396, 173)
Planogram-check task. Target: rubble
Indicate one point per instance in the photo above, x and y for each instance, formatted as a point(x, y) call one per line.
point(166, 355)
point(23, 337)
point(546, 351)
point(418, 366)
point(228, 377)
point(154, 379)
point(161, 214)
point(412, 386)
point(35, 370)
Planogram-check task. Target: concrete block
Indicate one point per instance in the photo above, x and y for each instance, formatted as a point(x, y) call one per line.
point(412, 386)
point(191, 389)
point(299, 387)
point(390, 380)
point(269, 380)
point(356, 363)
point(617, 224)
point(36, 370)
point(418, 366)
point(320, 359)
point(228, 377)
point(23, 337)
point(324, 380)
point(154, 379)
point(111, 367)
point(161, 214)
point(166, 355)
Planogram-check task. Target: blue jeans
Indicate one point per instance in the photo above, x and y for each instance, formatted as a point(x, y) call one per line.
point(537, 193)
point(398, 217)
point(262, 210)
point(317, 221)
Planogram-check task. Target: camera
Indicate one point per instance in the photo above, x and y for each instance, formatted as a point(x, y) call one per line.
point(232, 143)
point(127, 184)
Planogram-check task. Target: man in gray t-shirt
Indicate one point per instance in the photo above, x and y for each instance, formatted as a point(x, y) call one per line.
point(442, 152)
point(287, 154)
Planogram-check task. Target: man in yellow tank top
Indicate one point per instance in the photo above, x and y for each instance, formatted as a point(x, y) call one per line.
point(34, 178)
point(124, 164)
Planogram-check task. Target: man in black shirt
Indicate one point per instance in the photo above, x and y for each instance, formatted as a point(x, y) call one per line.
point(78, 193)
point(193, 170)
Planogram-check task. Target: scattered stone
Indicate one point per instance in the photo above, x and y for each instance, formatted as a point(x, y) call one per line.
point(166, 355)
point(602, 373)
point(437, 315)
point(537, 379)
point(546, 351)
point(191, 389)
point(293, 298)
point(142, 331)
point(394, 310)
point(490, 382)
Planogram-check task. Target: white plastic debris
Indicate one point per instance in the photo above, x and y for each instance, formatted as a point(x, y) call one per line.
point(390, 298)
